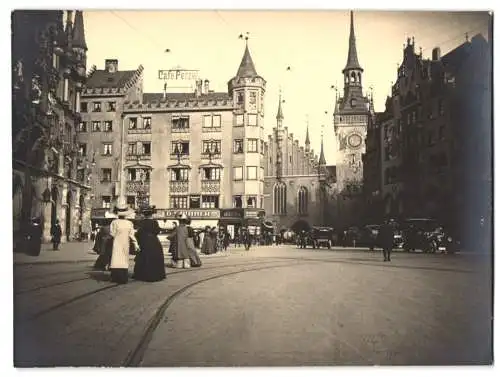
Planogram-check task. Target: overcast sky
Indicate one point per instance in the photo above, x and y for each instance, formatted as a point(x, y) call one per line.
point(313, 43)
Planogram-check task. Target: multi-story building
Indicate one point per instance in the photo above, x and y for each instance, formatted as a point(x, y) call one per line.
point(295, 183)
point(100, 131)
point(436, 136)
point(351, 118)
point(200, 152)
point(372, 167)
point(49, 176)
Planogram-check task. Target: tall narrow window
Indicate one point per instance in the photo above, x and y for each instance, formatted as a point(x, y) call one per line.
point(279, 198)
point(302, 201)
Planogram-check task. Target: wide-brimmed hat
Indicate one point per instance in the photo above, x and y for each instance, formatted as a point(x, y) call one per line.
point(123, 209)
point(149, 210)
point(184, 218)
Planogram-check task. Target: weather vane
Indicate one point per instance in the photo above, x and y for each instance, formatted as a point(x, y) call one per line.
point(245, 37)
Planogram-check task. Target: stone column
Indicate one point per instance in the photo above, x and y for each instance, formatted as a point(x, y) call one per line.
point(86, 221)
point(62, 210)
point(75, 212)
point(46, 214)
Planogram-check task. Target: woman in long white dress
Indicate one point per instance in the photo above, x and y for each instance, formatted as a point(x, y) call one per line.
point(122, 231)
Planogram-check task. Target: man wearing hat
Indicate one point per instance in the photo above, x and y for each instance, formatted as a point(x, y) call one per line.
point(122, 231)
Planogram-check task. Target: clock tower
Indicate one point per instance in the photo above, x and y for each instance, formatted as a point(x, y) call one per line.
point(350, 119)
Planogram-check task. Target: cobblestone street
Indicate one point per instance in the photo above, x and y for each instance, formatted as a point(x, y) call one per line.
point(267, 306)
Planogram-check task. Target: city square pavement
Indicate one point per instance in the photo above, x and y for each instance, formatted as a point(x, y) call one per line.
point(269, 306)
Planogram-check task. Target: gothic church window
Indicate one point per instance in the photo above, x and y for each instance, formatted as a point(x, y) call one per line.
point(279, 198)
point(302, 200)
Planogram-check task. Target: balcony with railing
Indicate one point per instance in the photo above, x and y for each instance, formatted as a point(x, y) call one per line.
point(179, 186)
point(138, 157)
point(210, 186)
point(138, 186)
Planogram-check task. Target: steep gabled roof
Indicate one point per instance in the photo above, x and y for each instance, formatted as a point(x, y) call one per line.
point(454, 59)
point(105, 79)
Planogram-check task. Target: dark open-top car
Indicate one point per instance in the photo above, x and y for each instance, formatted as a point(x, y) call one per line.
point(322, 236)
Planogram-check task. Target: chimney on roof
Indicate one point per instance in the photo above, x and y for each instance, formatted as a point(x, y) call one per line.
point(436, 54)
point(199, 88)
point(207, 87)
point(111, 65)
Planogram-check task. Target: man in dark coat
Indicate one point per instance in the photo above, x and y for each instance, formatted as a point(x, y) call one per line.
point(56, 233)
point(34, 237)
point(386, 239)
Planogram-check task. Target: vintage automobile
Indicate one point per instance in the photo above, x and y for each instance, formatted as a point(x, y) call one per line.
point(322, 236)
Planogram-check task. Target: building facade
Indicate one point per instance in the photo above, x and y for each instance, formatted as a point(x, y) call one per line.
point(100, 131)
point(295, 183)
point(372, 170)
point(352, 114)
point(435, 139)
point(200, 152)
point(49, 175)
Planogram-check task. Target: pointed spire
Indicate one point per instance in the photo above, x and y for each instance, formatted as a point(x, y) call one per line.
point(322, 160)
point(308, 142)
point(352, 57)
point(247, 68)
point(279, 116)
point(79, 31)
point(69, 26)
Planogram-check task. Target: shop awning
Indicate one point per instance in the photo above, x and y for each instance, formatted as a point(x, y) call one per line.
point(202, 223)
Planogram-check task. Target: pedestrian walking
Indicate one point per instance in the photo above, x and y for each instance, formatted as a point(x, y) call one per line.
point(194, 258)
point(182, 248)
point(122, 231)
point(104, 247)
point(149, 263)
point(56, 233)
point(34, 237)
point(386, 234)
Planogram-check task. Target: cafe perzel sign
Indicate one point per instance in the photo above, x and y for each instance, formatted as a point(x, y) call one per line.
point(178, 74)
point(192, 213)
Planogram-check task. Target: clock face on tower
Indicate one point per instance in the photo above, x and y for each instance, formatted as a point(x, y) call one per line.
point(354, 141)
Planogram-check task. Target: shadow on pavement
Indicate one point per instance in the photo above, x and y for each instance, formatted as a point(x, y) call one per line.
point(99, 275)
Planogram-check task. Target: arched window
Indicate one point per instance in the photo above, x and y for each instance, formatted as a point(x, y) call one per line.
point(302, 201)
point(279, 198)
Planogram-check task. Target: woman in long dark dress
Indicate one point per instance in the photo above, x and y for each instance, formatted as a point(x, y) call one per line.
point(104, 247)
point(149, 263)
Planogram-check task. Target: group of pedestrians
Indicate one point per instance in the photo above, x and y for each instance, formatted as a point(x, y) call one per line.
point(115, 243)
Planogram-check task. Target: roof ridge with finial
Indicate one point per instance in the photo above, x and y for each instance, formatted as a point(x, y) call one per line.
point(279, 115)
point(308, 141)
point(352, 56)
point(322, 160)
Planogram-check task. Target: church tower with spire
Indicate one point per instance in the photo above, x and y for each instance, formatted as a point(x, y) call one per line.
point(351, 114)
point(247, 90)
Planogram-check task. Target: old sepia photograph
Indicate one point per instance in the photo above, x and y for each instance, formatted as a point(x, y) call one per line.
point(251, 188)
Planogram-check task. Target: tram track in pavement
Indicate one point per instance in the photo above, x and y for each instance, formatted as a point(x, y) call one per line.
point(114, 286)
point(54, 284)
point(136, 355)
